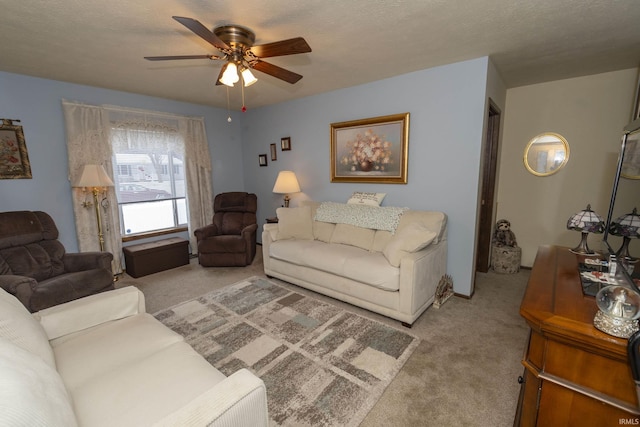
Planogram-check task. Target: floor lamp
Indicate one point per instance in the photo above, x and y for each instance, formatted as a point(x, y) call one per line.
point(95, 178)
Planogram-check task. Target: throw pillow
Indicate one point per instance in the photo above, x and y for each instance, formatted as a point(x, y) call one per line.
point(359, 237)
point(411, 238)
point(295, 223)
point(20, 327)
point(31, 392)
point(361, 198)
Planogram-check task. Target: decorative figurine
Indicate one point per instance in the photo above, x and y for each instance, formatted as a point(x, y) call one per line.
point(444, 291)
point(503, 236)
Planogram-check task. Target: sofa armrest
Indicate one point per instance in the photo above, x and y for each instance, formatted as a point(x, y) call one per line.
point(238, 401)
point(20, 286)
point(90, 311)
point(420, 273)
point(269, 235)
point(272, 230)
point(87, 261)
point(206, 231)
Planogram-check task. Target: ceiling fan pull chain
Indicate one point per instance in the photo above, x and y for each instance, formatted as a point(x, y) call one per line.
point(244, 109)
point(228, 112)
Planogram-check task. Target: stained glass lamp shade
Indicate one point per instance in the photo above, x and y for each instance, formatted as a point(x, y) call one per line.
point(627, 226)
point(586, 221)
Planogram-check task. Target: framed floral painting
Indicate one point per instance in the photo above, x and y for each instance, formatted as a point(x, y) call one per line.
point(14, 159)
point(370, 150)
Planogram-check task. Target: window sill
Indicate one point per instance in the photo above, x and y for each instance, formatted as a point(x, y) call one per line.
point(140, 236)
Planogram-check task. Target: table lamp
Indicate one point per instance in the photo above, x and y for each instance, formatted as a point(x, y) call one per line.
point(586, 221)
point(286, 183)
point(627, 226)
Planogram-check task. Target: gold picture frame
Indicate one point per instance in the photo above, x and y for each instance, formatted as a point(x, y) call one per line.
point(14, 159)
point(372, 150)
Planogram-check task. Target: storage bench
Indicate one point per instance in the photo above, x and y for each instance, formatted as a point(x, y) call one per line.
point(152, 257)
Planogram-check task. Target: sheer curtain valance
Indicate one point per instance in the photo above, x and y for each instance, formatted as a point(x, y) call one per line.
point(95, 133)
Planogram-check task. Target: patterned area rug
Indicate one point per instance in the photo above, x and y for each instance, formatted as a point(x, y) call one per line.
point(322, 365)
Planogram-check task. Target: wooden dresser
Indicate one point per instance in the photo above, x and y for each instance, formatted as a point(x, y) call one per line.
point(575, 375)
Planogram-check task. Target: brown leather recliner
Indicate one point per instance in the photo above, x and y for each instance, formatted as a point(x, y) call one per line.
point(35, 267)
point(231, 240)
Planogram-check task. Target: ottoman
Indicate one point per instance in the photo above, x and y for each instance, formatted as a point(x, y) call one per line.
point(506, 259)
point(152, 257)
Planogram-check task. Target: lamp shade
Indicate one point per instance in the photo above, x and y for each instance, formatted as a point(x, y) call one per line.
point(248, 77)
point(586, 221)
point(94, 176)
point(627, 225)
point(286, 183)
point(230, 75)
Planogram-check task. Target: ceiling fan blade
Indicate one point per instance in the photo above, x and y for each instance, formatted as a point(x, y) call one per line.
point(202, 31)
point(277, 72)
point(283, 47)
point(169, 58)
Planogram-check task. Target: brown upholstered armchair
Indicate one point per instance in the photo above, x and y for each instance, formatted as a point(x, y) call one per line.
point(231, 239)
point(35, 267)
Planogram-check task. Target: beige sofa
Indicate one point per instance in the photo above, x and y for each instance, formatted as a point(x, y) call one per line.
point(393, 272)
point(102, 361)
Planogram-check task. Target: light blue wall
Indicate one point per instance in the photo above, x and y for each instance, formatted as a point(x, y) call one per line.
point(37, 103)
point(447, 107)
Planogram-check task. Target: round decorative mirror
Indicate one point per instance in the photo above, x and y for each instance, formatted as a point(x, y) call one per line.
point(546, 154)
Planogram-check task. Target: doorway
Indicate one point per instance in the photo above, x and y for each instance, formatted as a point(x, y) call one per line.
point(487, 196)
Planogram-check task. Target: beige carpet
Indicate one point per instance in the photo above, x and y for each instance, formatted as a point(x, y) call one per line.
point(464, 371)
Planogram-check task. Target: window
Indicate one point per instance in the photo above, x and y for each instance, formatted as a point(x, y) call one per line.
point(123, 170)
point(149, 198)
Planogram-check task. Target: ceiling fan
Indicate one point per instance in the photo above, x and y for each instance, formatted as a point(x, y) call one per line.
point(236, 43)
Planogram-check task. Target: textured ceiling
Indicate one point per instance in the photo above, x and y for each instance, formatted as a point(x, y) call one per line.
point(102, 43)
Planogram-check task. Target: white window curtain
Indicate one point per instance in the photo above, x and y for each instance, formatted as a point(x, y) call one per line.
point(117, 126)
point(198, 176)
point(88, 144)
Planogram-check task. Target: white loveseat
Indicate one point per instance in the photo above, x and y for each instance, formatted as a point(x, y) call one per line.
point(103, 361)
point(394, 272)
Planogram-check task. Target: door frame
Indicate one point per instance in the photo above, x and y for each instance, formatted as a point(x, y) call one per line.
point(486, 219)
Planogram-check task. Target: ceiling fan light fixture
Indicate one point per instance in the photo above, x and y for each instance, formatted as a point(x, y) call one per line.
point(230, 75)
point(248, 77)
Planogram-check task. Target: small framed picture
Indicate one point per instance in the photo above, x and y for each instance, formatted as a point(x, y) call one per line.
point(285, 144)
point(274, 154)
point(262, 160)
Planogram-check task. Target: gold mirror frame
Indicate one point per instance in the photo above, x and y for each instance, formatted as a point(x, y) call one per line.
point(551, 164)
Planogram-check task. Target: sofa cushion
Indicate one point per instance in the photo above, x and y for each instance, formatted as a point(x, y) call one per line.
point(343, 260)
point(433, 220)
point(142, 391)
point(295, 223)
point(31, 392)
point(321, 230)
point(359, 237)
point(380, 240)
point(411, 238)
point(362, 198)
point(91, 353)
point(19, 327)
point(372, 269)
